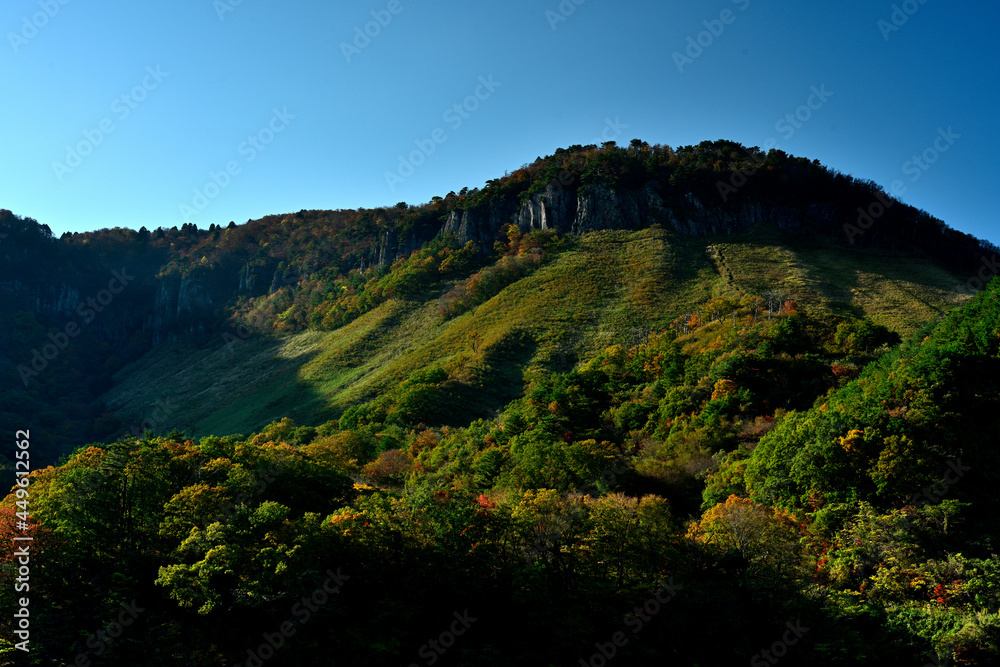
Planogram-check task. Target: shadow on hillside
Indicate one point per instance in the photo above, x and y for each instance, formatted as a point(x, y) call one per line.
point(499, 379)
point(243, 385)
point(234, 387)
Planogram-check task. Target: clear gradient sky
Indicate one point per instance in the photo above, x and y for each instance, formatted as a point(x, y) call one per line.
point(161, 96)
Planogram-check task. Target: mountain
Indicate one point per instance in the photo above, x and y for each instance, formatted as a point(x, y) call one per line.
point(637, 404)
point(334, 306)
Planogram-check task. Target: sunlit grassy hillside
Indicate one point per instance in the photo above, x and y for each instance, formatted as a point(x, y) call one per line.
point(604, 288)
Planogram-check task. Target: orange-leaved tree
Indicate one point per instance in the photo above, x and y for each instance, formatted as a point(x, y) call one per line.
point(765, 540)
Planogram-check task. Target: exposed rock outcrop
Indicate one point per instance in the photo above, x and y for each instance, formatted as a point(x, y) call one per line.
point(597, 207)
point(178, 309)
point(393, 245)
point(697, 219)
point(248, 279)
point(481, 225)
point(192, 296)
point(554, 209)
point(61, 299)
point(68, 300)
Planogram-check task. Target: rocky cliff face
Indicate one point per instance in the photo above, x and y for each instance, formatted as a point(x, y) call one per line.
point(67, 301)
point(178, 310)
point(393, 245)
point(192, 296)
point(697, 219)
point(596, 207)
point(61, 299)
point(248, 280)
point(481, 225)
point(553, 209)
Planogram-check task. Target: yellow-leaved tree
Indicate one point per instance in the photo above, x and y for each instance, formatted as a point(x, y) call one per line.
point(763, 541)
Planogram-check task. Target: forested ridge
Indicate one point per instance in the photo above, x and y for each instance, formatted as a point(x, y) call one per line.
point(322, 270)
point(612, 446)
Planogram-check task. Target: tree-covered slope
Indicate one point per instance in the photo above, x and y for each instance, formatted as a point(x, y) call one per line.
point(901, 425)
point(688, 469)
point(321, 270)
point(555, 301)
point(604, 408)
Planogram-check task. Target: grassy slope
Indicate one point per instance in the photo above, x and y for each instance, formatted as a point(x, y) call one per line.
point(901, 292)
point(611, 287)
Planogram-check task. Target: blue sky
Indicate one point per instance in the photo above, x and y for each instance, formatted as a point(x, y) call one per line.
point(127, 113)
